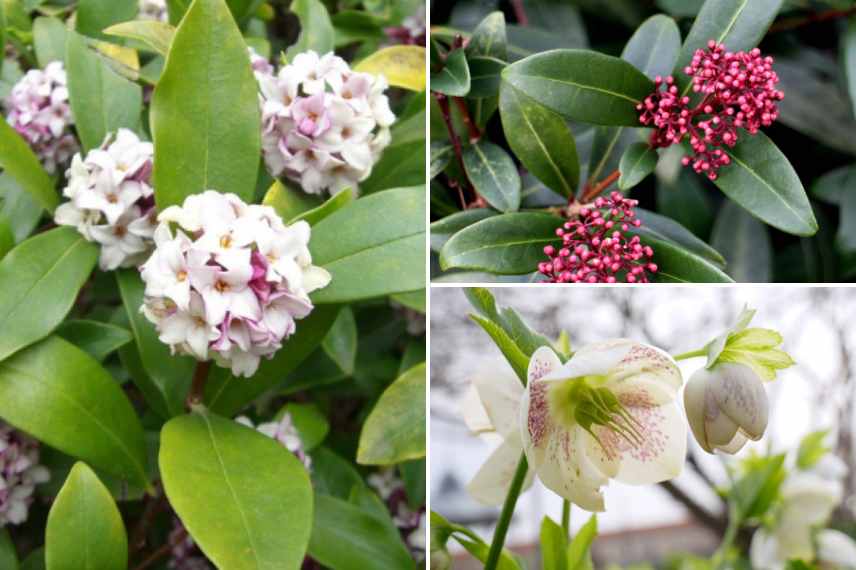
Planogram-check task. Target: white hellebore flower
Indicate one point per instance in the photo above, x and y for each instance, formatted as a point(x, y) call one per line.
point(20, 472)
point(492, 406)
point(608, 413)
point(836, 549)
point(234, 290)
point(111, 201)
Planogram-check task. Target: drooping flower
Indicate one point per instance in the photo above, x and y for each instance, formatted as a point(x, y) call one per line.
point(284, 432)
point(323, 124)
point(111, 201)
point(738, 91)
point(596, 248)
point(607, 413)
point(20, 472)
point(230, 281)
point(153, 10)
point(38, 109)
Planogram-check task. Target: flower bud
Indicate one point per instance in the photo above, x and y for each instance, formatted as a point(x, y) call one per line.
point(726, 406)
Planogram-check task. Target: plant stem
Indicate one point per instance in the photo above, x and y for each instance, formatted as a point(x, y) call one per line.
point(566, 518)
point(506, 514)
point(197, 388)
point(591, 193)
point(154, 503)
point(446, 113)
point(520, 12)
point(472, 128)
point(718, 560)
point(691, 354)
point(161, 552)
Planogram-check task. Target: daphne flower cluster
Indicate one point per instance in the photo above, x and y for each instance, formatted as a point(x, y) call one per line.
point(739, 92)
point(323, 125)
point(38, 109)
point(596, 249)
point(283, 431)
point(20, 472)
point(410, 522)
point(154, 10)
point(230, 281)
point(111, 201)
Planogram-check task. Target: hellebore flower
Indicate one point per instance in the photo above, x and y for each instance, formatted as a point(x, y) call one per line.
point(608, 413)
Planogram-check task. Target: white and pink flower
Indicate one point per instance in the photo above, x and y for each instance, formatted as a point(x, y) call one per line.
point(154, 10)
point(284, 432)
point(20, 472)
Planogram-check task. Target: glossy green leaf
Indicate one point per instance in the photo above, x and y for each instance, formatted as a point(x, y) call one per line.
point(443, 229)
point(316, 29)
point(18, 207)
point(541, 140)
point(156, 35)
point(739, 24)
point(332, 474)
point(101, 100)
point(93, 16)
point(637, 162)
point(665, 228)
point(441, 154)
point(745, 243)
point(508, 244)
point(686, 200)
point(310, 422)
point(554, 545)
point(164, 379)
point(414, 474)
point(507, 318)
point(7, 237)
point(412, 299)
point(97, 339)
point(399, 165)
point(454, 79)
point(761, 179)
point(848, 56)
point(654, 47)
point(293, 204)
point(582, 85)
point(485, 75)
point(489, 38)
point(205, 110)
point(364, 234)
point(834, 185)
point(395, 429)
point(512, 352)
point(676, 264)
point(62, 396)
point(49, 37)
point(240, 516)
point(8, 556)
point(40, 280)
point(346, 537)
point(85, 529)
point(19, 162)
point(340, 344)
point(494, 175)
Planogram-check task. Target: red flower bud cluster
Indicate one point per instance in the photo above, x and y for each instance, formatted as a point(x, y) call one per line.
point(739, 90)
point(596, 249)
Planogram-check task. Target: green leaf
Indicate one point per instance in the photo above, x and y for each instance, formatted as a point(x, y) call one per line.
point(761, 179)
point(8, 556)
point(848, 52)
point(494, 175)
point(637, 162)
point(812, 448)
point(85, 529)
point(49, 38)
point(579, 550)
point(164, 379)
point(489, 38)
point(654, 47)
point(441, 154)
point(332, 474)
point(678, 265)
point(508, 244)
point(63, 397)
point(18, 208)
point(364, 234)
point(485, 75)
point(685, 199)
point(518, 360)
point(445, 228)
point(311, 423)
point(242, 517)
point(541, 141)
point(664, 228)
point(346, 537)
point(205, 110)
point(454, 79)
point(7, 237)
point(340, 344)
point(554, 545)
point(40, 280)
point(412, 299)
point(400, 165)
point(316, 29)
point(739, 24)
point(18, 161)
point(833, 186)
point(846, 236)
point(414, 474)
point(744, 242)
point(293, 205)
point(395, 429)
point(527, 340)
point(754, 493)
point(582, 85)
point(227, 395)
point(95, 338)
point(35, 560)
point(93, 16)
point(102, 101)
point(156, 35)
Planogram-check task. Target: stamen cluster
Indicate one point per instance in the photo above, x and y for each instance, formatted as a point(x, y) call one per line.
point(596, 249)
point(283, 431)
point(739, 92)
point(111, 201)
point(20, 472)
point(38, 109)
point(230, 281)
point(323, 125)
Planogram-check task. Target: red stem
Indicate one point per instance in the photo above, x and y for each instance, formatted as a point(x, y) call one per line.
point(473, 129)
point(520, 12)
point(446, 113)
point(197, 388)
point(594, 191)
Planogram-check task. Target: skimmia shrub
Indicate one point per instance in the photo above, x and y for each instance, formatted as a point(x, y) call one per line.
point(212, 285)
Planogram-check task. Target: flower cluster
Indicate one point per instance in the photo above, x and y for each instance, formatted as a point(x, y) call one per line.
point(111, 201)
point(410, 523)
point(154, 10)
point(20, 472)
point(596, 249)
point(323, 125)
point(230, 282)
point(38, 109)
point(283, 431)
point(738, 91)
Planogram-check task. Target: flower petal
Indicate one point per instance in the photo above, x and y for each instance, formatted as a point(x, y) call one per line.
point(694, 394)
point(500, 395)
point(649, 368)
point(474, 413)
point(491, 482)
point(835, 549)
point(596, 359)
point(740, 395)
point(661, 454)
point(543, 362)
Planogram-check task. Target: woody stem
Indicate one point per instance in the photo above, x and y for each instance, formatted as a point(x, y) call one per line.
point(593, 192)
point(197, 387)
point(506, 514)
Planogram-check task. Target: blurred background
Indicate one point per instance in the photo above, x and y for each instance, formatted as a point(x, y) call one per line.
point(645, 523)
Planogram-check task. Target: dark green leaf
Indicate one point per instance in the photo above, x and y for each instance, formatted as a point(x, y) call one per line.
point(8, 556)
point(744, 242)
point(97, 339)
point(833, 186)
point(19, 162)
point(35, 560)
point(488, 39)
point(846, 237)
point(400, 165)
point(316, 29)
point(485, 75)
point(443, 229)
point(441, 154)
point(848, 52)
point(494, 175)
point(7, 237)
point(678, 265)
point(637, 162)
point(310, 422)
point(340, 344)
point(454, 79)
point(93, 16)
point(664, 228)
point(653, 49)
point(412, 299)
point(49, 37)
point(685, 200)
point(507, 318)
point(414, 474)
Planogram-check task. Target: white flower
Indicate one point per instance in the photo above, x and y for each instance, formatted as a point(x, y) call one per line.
point(323, 125)
point(20, 472)
point(284, 432)
point(608, 413)
point(492, 406)
point(153, 10)
point(726, 406)
point(835, 549)
point(234, 290)
point(111, 201)
point(38, 109)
